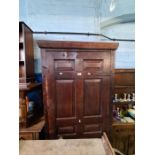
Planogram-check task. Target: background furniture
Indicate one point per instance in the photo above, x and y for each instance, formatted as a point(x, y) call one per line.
point(77, 84)
point(33, 93)
point(26, 55)
point(33, 132)
point(29, 90)
point(26, 68)
point(123, 134)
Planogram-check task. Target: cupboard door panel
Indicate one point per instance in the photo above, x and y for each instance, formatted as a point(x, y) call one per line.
point(92, 65)
point(92, 127)
point(92, 118)
point(64, 65)
point(92, 97)
point(65, 98)
point(95, 61)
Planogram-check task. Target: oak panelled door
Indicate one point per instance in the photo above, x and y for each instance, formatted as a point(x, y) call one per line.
point(77, 83)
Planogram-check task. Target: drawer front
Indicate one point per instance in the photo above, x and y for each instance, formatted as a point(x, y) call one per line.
point(26, 136)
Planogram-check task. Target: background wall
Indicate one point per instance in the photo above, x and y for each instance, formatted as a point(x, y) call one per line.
point(79, 16)
point(125, 55)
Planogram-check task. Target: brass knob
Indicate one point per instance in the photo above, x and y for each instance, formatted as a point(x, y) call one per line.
point(79, 121)
point(60, 73)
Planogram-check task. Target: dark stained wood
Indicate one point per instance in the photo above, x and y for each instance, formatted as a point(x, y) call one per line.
point(124, 137)
point(124, 81)
point(124, 77)
point(107, 98)
point(92, 97)
point(77, 87)
point(123, 134)
point(65, 99)
point(26, 66)
point(29, 54)
point(77, 45)
point(26, 54)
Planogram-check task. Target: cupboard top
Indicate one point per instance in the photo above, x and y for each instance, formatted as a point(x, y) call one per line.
point(77, 45)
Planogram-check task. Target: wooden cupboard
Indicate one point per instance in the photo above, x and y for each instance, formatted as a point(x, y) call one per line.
point(77, 87)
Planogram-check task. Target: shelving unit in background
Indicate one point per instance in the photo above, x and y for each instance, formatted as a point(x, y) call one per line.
point(26, 55)
point(27, 84)
point(123, 134)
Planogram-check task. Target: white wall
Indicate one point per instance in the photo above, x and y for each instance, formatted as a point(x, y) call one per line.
point(125, 55)
point(122, 7)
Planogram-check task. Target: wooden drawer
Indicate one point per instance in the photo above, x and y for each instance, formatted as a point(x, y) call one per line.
point(26, 136)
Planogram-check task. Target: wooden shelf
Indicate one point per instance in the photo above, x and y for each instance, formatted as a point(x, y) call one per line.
point(28, 86)
point(124, 86)
point(122, 103)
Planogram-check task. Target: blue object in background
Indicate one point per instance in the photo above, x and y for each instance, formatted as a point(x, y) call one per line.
point(36, 97)
point(38, 77)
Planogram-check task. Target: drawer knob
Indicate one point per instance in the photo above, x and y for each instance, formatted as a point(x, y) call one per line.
point(60, 73)
point(79, 74)
point(88, 73)
point(79, 121)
